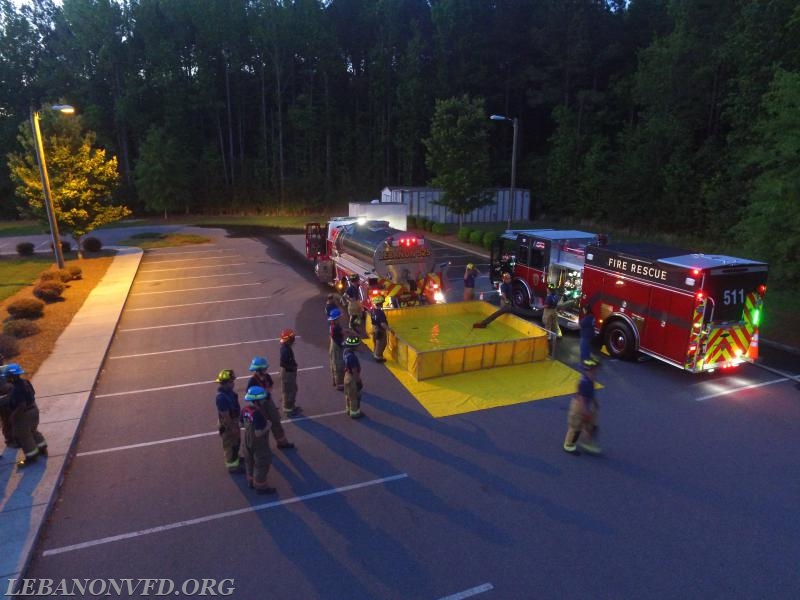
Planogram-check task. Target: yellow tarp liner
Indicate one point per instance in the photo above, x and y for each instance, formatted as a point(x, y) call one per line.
point(449, 379)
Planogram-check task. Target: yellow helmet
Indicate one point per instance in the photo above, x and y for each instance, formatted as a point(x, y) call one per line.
point(226, 375)
point(470, 266)
point(377, 300)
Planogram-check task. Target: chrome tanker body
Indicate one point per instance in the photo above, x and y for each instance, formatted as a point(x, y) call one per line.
point(392, 254)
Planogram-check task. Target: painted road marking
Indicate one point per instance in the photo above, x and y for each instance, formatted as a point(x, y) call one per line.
point(211, 287)
point(201, 322)
point(189, 268)
point(169, 253)
point(194, 303)
point(222, 515)
point(195, 436)
point(193, 277)
point(470, 592)
point(740, 389)
point(192, 349)
point(183, 385)
point(169, 260)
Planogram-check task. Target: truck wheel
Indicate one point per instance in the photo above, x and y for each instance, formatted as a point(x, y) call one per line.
point(619, 339)
point(519, 296)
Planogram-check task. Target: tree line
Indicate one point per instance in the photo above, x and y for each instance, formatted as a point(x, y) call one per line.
point(675, 116)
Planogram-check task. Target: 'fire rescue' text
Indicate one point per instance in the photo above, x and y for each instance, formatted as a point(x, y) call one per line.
point(637, 268)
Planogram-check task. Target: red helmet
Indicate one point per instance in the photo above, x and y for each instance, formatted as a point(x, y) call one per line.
point(287, 334)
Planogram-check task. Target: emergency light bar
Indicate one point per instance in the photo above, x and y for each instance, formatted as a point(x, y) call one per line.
point(407, 242)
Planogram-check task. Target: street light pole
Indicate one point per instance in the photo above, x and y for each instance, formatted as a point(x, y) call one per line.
point(48, 200)
point(515, 123)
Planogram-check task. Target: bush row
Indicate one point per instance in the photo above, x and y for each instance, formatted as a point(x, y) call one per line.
point(477, 237)
point(89, 244)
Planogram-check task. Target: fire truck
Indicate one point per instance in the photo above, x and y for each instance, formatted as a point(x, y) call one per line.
point(699, 312)
point(396, 264)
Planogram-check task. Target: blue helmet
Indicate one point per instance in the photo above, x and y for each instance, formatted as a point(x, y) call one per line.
point(11, 369)
point(258, 362)
point(334, 314)
point(256, 393)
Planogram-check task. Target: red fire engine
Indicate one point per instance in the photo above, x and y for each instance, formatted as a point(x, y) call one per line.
point(699, 312)
point(395, 264)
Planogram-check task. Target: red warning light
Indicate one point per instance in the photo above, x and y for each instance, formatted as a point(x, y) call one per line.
point(695, 272)
point(700, 295)
point(762, 289)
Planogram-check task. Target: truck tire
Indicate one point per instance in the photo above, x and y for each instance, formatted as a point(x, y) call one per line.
point(519, 296)
point(619, 339)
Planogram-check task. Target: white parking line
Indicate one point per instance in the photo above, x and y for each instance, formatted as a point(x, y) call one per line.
point(739, 389)
point(169, 260)
point(195, 303)
point(193, 277)
point(195, 436)
point(183, 385)
point(470, 592)
point(223, 515)
point(192, 349)
point(201, 322)
point(170, 253)
point(189, 268)
point(208, 287)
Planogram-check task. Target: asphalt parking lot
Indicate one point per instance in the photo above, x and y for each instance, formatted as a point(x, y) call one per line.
point(693, 498)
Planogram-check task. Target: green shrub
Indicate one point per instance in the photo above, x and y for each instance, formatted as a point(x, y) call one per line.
point(488, 238)
point(75, 271)
point(9, 347)
point(411, 222)
point(25, 248)
point(463, 234)
point(429, 225)
point(92, 244)
point(438, 228)
point(26, 308)
point(476, 237)
point(20, 328)
point(49, 291)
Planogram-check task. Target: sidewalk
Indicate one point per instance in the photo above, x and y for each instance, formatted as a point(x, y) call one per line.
point(63, 386)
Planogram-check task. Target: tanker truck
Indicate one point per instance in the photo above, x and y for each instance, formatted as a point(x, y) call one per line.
point(396, 264)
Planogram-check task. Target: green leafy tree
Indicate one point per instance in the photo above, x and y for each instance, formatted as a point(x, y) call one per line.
point(458, 155)
point(164, 173)
point(82, 178)
point(770, 227)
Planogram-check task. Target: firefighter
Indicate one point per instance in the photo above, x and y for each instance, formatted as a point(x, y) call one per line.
point(352, 300)
point(380, 328)
point(289, 375)
point(5, 411)
point(586, 322)
point(336, 348)
point(506, 302)
point(352, 378)
point(228, 410)
point(257, 455)
point(550, 313)
point(583, 409)
point(261, 378)
point(24, 415)
point(331, 304)
point(470, 275)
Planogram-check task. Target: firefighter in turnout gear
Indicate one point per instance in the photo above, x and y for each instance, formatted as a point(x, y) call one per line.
point(550, 314)
point(5, 411)
point(470, 275)
point(336, 349)
point(289, 374)
point(228, 412)
point(261, 378)
point(583, 409)
point(380, 328)
point(257, 455)
point(24, 415)
point(352, 300)
point(352, 378)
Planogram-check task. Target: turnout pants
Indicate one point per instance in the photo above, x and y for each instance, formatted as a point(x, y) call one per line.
point(352, 395)
point(25, 428)
point(379, 337)
point(257, 457)
point(231, 438)
point(335, 353)
point(580, 420)
point(288, 389)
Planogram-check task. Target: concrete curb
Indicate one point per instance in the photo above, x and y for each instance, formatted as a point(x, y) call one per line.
point(63, 384)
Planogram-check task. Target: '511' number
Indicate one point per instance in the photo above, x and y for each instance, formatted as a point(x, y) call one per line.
point(733, 296)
